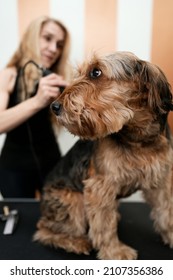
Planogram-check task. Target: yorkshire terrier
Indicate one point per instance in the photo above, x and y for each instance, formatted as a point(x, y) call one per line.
point(118, 105)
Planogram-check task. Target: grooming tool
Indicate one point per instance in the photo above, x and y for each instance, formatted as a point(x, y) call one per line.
point(10, 218)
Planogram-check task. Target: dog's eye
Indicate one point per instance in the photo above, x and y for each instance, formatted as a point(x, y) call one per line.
point(95, 73)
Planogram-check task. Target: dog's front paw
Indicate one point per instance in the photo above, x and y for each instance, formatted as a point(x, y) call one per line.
point(81, 246)
point(168, 238)
point(120, 252)
point(126, 253)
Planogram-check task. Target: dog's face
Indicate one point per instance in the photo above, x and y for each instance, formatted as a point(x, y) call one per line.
point(112, 92)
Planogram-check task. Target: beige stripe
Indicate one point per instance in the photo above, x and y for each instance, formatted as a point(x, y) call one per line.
point(162, 46)
point(162, 43)
point(29, 10)
point(100, 26)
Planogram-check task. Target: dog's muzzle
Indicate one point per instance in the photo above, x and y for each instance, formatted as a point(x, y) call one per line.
point(56, 107)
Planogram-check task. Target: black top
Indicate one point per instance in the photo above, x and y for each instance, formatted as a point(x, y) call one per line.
point(32, 145)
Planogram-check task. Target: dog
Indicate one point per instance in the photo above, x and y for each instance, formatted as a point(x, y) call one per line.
point(118, 105)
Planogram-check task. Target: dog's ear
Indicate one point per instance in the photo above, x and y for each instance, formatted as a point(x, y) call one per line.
point(153, 81)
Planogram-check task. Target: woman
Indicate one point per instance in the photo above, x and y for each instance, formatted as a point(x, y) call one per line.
point(26, 91)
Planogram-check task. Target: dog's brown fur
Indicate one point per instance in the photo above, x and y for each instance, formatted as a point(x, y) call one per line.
point(118, 105)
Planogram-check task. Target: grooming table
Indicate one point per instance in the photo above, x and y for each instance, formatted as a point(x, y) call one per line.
point(135, 229)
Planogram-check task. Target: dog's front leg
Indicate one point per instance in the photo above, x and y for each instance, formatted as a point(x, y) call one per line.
point(161, 201)
point(101, 210)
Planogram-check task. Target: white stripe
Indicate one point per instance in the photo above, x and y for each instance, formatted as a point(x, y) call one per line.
point(135, 27)
point(9, 30)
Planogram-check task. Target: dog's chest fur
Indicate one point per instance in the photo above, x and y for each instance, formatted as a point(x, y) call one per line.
point(131, 166)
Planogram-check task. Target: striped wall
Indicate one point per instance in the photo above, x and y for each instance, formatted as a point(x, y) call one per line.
point(100, 26)
point(134, 24)
point(9, 32)
point(29, 10)
point(143, 27)
point(162, 40)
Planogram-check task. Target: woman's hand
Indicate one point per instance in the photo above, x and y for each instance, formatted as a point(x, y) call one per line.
point(47, 92)
point(48, 89)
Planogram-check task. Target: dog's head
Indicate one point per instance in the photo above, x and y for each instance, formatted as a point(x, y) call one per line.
point(113, 92)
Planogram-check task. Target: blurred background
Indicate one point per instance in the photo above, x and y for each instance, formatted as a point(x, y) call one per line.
point(142, 27)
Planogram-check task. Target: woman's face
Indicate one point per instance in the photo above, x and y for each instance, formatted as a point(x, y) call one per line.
point(51, 43)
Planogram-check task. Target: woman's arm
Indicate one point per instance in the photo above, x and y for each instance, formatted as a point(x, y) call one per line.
point(47, 92)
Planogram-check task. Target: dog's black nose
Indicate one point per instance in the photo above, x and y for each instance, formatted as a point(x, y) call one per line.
point(56, 107)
